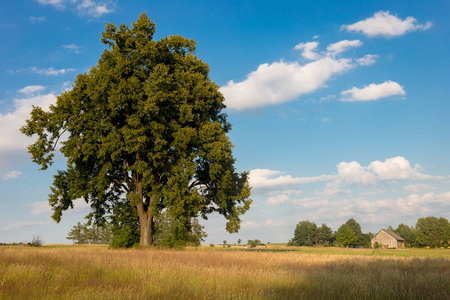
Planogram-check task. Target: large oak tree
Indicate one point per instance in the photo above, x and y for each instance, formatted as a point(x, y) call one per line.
point(145, 122)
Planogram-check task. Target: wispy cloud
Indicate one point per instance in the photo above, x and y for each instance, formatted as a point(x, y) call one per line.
point(373, 92)
point(83, 7)
point(342, 46)
point(37, 19)
point(21, 224)
point(12, 174)
point(50, 71)
point(384, 24)
point(72, 48)
point(31, 89)
point(367, 60)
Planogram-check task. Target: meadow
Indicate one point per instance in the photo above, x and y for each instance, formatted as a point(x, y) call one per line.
point(221, 273)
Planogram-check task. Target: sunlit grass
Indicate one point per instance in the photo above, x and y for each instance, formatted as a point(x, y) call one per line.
point(99, 273)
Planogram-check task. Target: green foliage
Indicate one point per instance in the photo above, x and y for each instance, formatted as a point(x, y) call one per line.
point(307, 233)
point(126, 237)
point(254, 243)
point(304, 234)
point(324, 235)
point(432, 232)
point(145, 122)
point(356, 228)
point(85, 234)
point(407, 233)
point(178, 233)
point(367, 240)
point(377, 245)
point(126, 226)
point(345, 236)
point(239, 241)
point(36, 242)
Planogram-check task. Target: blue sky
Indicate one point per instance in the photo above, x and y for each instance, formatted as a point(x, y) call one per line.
point(340, 109)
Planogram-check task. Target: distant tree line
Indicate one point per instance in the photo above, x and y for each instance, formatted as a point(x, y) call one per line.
point(86, 234)
point(307, 233)
point(123, 231)
point(429, 231)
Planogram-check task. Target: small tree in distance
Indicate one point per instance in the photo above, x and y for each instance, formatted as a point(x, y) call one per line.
point(346, 236)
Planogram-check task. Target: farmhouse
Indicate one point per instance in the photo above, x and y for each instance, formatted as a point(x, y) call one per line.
point(388, 239)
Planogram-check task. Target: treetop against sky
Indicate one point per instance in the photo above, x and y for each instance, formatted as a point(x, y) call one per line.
point(339, 110)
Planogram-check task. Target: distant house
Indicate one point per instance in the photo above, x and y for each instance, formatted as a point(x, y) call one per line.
point(388, 239)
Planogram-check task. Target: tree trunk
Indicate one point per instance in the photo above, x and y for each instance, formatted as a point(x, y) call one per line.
point(147, 228)
point(145, 218)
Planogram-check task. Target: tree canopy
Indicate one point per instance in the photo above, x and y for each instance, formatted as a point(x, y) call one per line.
point(144, 128)
point(346, 236)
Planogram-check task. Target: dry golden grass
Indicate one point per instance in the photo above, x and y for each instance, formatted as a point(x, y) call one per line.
point(98, 273)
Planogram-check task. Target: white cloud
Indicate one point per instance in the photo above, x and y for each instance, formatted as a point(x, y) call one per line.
point(59, 4)
point(43, 208)
point(281, 82)
point(39, 208)
point(308, 50)
point(50, 71)
point(387, 25)
point(282, 197)
point(417, 188)
point(264, 178)
point(353, 172)
point(21, 224)
point(13, 144)
point(392, 169)
point(31, 89)
point(37, 19)
point(373, 92)
point(11, 174)
point(397, 168)
point(333, 189)
point(367, 60)
point(84, 7)
point(342, 46)
point(72, 48)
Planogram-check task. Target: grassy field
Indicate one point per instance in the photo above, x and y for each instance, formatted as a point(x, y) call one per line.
point(207, 273)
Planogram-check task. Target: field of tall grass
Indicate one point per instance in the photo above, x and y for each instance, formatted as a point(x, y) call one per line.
point(99, 273)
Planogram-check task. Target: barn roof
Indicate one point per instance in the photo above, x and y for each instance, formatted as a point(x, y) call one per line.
point(394, 235)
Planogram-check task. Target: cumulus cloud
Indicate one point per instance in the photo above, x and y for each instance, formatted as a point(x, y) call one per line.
point(84, 7)
point(386, 25)
point(31, 89)
point(13, 144)
point(308, 50)
point(373, 92)
point(392, 169)
point(342, 46)
point(281, 82)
